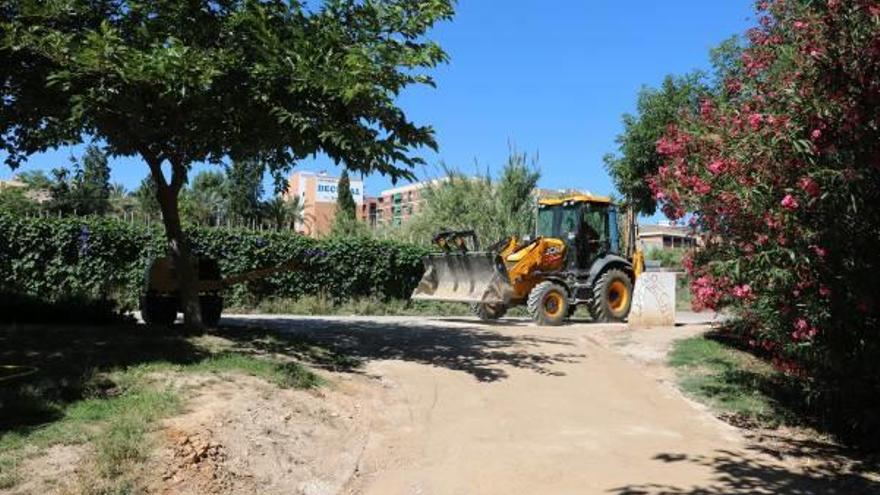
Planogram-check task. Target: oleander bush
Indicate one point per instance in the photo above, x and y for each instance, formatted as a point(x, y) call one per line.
point(781, 172)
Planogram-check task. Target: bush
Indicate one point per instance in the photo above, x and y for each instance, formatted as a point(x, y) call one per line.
point(781, 170)
point(96, 259)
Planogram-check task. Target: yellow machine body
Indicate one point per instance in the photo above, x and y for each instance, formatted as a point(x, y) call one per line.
point(580, 255)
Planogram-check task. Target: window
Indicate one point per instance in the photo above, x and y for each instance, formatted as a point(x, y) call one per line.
point(557, 221)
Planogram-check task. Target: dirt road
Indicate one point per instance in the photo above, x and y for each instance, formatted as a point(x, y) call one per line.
point(470, 408)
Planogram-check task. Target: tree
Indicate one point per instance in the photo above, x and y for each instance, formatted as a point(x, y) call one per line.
point(244, 190)
point(781, 170)
point(638, 157)
point(121, 203)
point(514, 194)
point(283, 213)
point(14, 200)
point(494, 209)
point(345, 220)
point(178, 83)
point(145, 198)
point(35, 180)
point(206, 200)
point(91, 188)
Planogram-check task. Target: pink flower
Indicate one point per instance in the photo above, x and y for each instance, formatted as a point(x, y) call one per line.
point(755, 120)
point(789, 203)
point(810, 186)
point(820, 251)
point(816, 134)
point(700, 186)
point(716, 167)
point(800, 25)
point(742, 291)
point(824, 291)
point(706, 108)
point(659, 196)
point(733, 86)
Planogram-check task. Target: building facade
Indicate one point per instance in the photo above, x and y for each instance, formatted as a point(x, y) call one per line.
point(393, 207)
point(667, 236)
point(318, 191)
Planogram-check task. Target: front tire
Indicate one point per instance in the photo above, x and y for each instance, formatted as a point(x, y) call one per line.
point(548, 304)
point(158, 310)
point(612, 296)
point(487, 312)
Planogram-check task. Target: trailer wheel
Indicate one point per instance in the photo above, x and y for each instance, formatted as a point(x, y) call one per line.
point(212, 308)
point(548, 304)
point(489, 311)
point(158, 310)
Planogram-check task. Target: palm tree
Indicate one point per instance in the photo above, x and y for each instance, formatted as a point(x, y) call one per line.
point(121, 203)
point(283, 213)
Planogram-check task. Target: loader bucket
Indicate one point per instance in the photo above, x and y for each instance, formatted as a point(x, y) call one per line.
point(473, 277)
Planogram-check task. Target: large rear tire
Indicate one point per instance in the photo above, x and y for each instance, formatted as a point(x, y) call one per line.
point(158, 310)
point(548, 304)
point(612, 296)
point(489, 311)
point(212, 308)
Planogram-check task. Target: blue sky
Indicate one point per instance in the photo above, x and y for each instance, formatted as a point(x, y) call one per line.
point(551, 76)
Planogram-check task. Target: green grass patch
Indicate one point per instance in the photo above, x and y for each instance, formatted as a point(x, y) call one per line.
point(122, 406)
point(116, 426)
point(732, 382)
point(285, 375)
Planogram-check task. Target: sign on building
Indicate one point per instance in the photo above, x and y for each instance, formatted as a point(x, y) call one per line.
point(327, 190)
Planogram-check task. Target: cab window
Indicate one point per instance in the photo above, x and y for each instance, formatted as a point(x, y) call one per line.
point(557, 221)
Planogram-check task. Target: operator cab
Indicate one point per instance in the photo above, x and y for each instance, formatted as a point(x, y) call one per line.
point(587, 225)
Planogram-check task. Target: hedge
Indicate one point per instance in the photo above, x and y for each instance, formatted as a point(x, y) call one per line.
point(93, 258)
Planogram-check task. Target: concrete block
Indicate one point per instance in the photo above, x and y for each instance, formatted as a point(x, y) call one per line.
point(653, 301)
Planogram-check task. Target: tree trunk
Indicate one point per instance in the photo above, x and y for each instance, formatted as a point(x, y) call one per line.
point(179, 249)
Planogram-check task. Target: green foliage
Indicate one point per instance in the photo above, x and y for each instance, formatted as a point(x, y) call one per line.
point(35, 179)
point(93, 183)
point(184, 83)
point(668, 258)
point(82, 190)
point(345, 220)
point(638, 157)
point(244, 189)
point(283, 214)
point(181, 83)
point(15, 200)
point(97, 258)
point(494, 209)
point(145, 198)
point(345, 205)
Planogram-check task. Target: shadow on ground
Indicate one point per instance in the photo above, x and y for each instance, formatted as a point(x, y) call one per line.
point(67, 358)
point(834, 472)
point(479, 351)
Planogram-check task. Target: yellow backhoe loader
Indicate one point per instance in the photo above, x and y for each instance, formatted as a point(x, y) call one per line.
point(577, 257)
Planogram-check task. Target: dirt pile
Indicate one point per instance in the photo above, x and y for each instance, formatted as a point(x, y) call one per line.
point(243, 435)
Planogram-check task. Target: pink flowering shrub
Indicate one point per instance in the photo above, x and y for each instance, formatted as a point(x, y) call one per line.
point(781, 172)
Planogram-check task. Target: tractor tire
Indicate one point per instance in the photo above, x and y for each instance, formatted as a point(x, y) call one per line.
point(158, 310)
point(612, 296)
point(212, 308)
point(489, 311)
point(548, 304)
